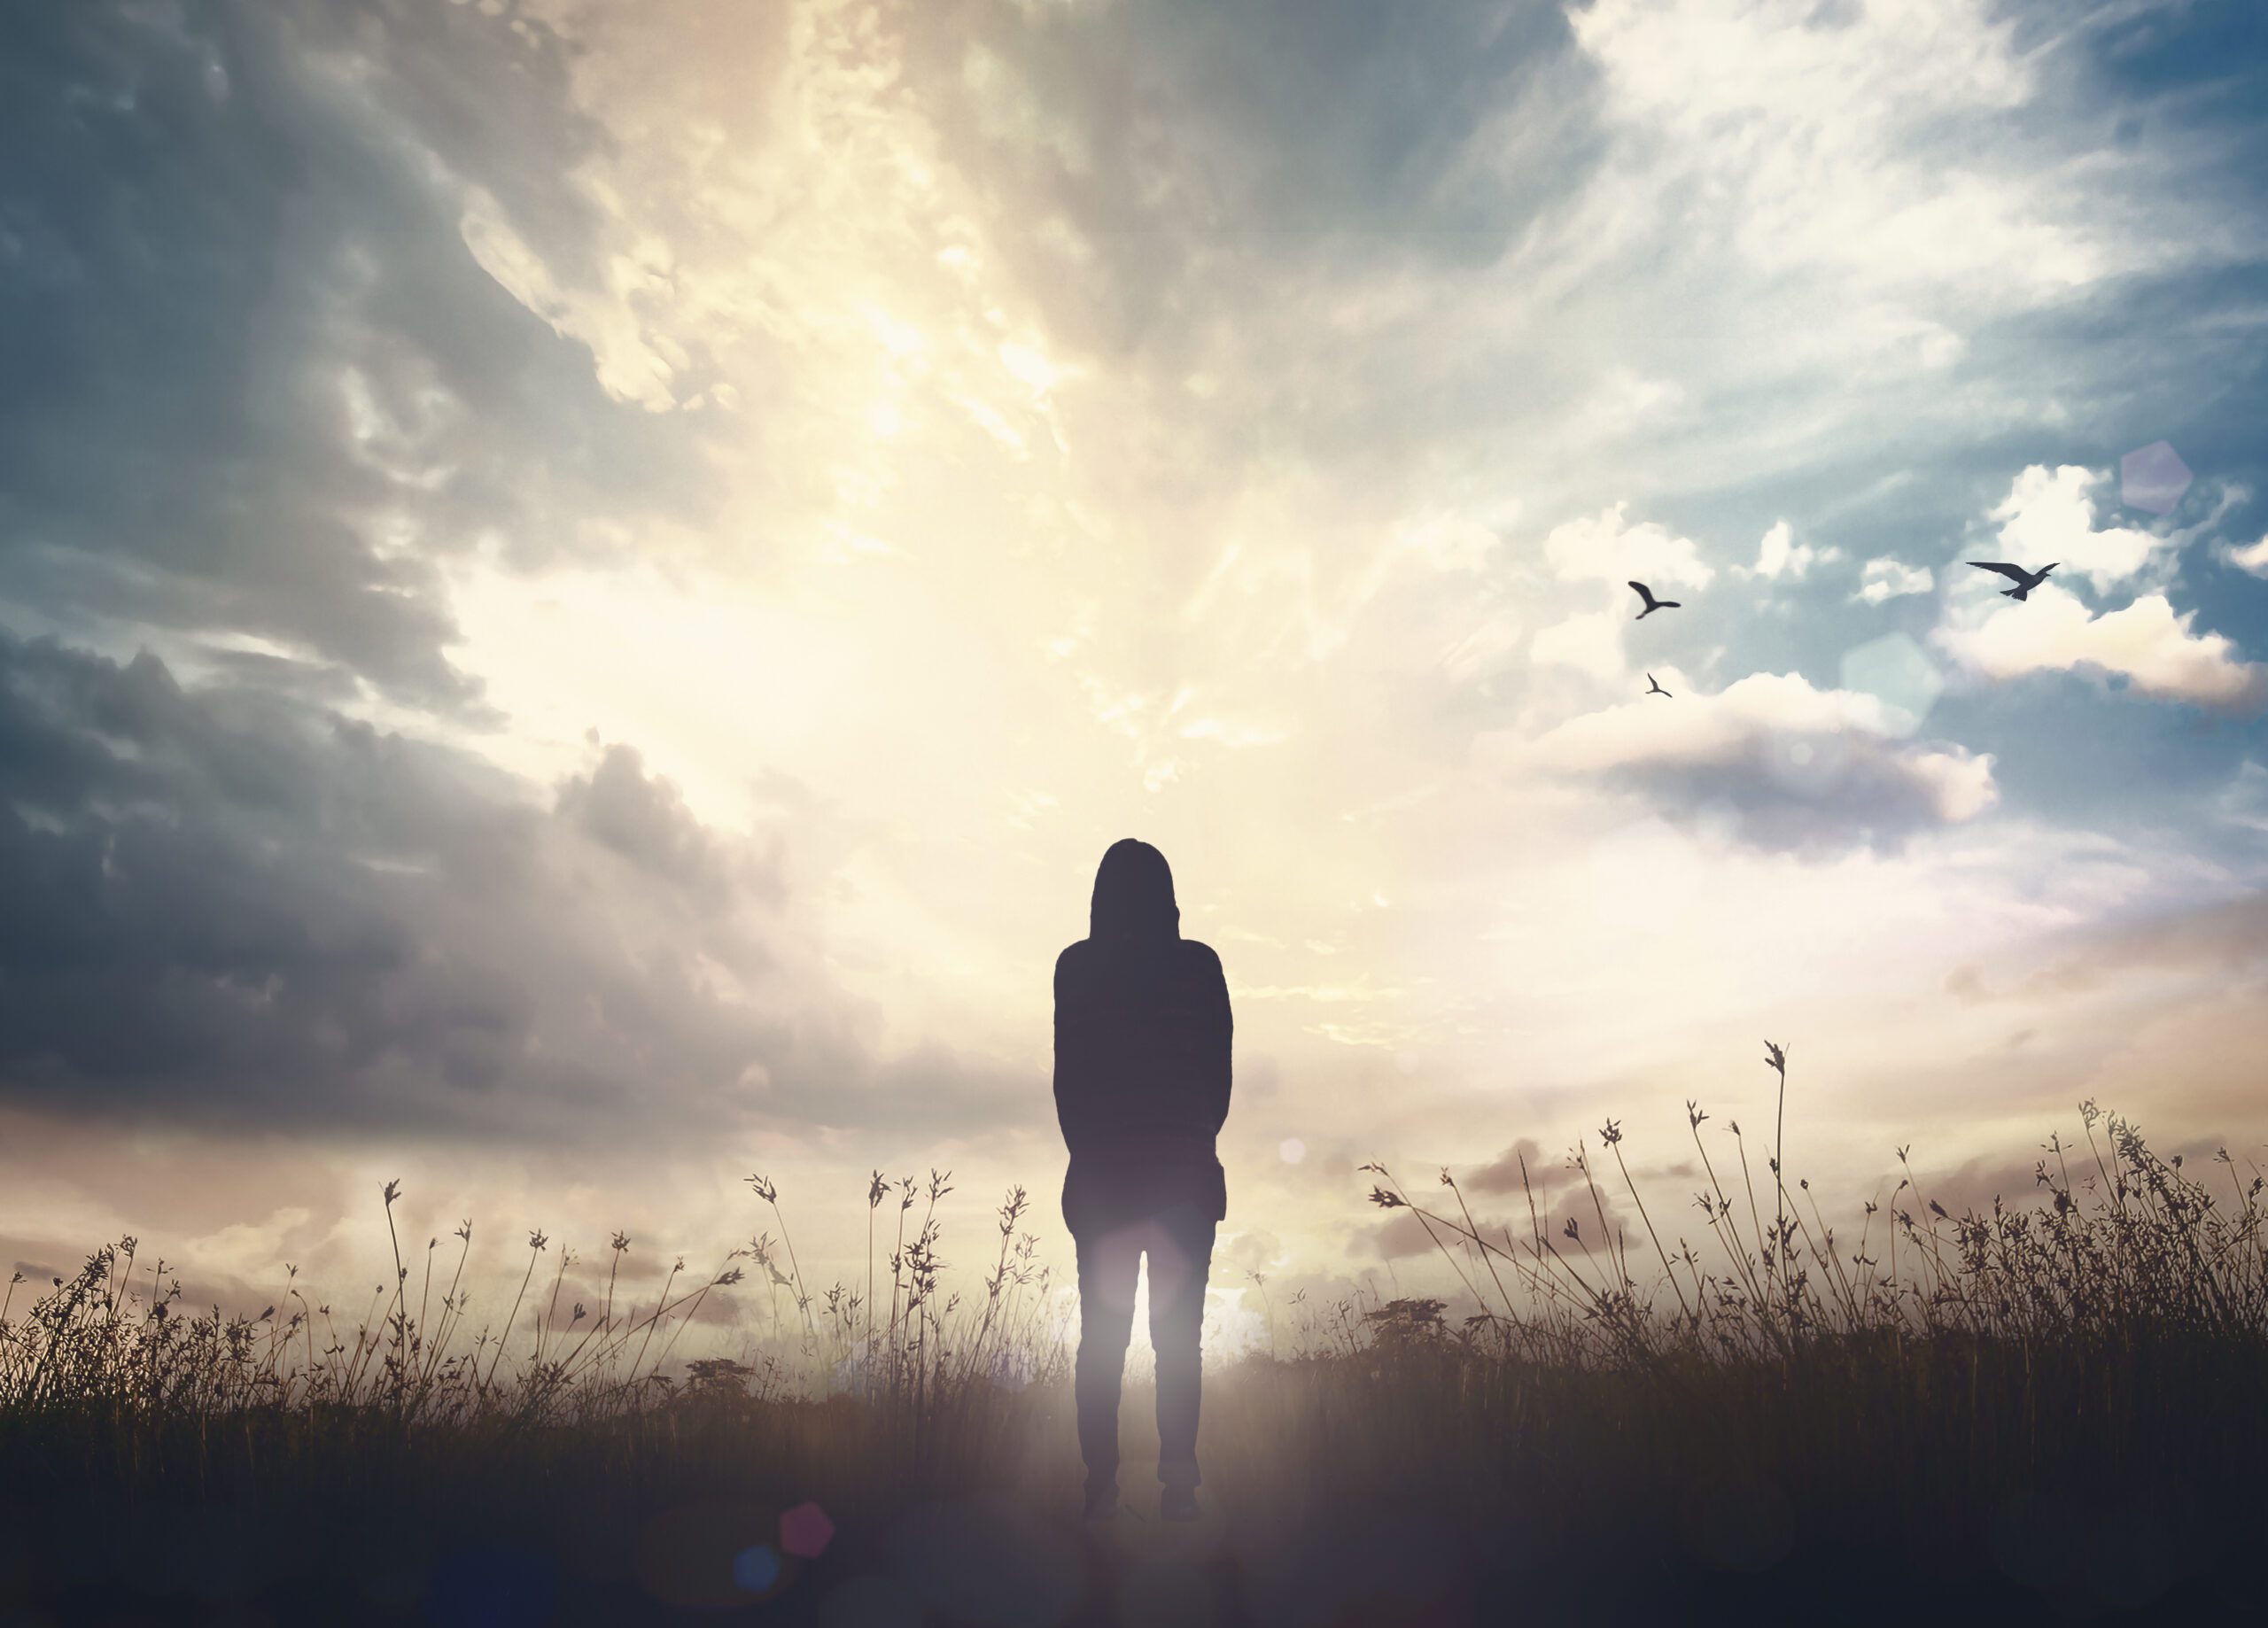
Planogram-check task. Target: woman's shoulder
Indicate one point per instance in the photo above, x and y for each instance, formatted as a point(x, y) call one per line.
point(1201, 955)
point(1081, 961)
point(1081, 955)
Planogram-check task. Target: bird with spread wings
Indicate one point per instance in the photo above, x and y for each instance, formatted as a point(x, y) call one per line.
point(1652, 604)
point(2025, 581)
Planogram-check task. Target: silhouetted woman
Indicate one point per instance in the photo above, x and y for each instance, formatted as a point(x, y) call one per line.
point(1142, 1041)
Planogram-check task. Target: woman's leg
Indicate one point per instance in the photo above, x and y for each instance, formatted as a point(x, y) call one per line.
point(1107, 1262)
point(1181, 1259)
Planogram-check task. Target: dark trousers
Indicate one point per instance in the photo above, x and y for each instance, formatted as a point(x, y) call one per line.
point(1179, 1243)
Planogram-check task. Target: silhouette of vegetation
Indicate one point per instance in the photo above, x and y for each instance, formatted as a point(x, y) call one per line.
point(2052, 1401)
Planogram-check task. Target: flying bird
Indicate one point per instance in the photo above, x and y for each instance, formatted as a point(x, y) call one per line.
point(1652, 604)
point(1652, 688)
point(2025, 581)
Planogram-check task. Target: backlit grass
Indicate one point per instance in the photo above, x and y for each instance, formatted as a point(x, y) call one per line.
point(2054, 1403)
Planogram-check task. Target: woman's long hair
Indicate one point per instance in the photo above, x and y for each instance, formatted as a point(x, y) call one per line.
point(1133, 907)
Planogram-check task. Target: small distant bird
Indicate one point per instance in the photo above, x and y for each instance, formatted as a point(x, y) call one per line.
point(1654, 688)
point(1652, 604)
point(2025, 581)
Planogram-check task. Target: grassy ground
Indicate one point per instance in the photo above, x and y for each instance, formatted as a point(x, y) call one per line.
point(2052, 1412)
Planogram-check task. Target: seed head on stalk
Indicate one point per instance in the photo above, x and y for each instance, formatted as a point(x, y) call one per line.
point(1776, 1059)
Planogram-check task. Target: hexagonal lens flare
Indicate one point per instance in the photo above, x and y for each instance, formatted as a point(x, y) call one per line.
point(2153, 477)
point(1895, 671)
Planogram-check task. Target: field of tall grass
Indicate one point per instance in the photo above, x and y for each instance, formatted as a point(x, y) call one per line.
point(2048, 1410)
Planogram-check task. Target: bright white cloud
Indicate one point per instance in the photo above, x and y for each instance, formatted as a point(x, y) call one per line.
point(1771, 739)
point(1835, 147)
point(1779, 555)
point(1605, 547)
point(2048, 516)
point(1772, 555)
point(2146, 641)
point(1885, 578)
point(2253, 558)
point(1590, 644)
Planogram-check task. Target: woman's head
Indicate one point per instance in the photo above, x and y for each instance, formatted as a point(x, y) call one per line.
point(1133, 894)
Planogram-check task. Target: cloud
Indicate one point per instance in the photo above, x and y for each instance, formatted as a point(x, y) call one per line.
point(1448, 542)
point(2181, 979)
point(1590, 644)
point(2145, 642)
point(254, 382)
point(1163, 145)
point(2048, 515)
point(2227, 936)
point(643, 821)
point(2253, 558)
point(1254, 1249)
point(1844, 143)
point(2244, 800)
point(1477, 651)
point(1886, 579)
point(230, 908)
point(1780, 555)
point(1096, 294)
point(631, 363)
point(1522, 225)
point(1966, 984)
point(1788, 765)
point(1403, 1234)
point(1605, 547)
point(1521, 1167)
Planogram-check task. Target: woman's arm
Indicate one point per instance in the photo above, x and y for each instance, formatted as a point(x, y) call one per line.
point(1217, 1041)
point(1074, 1050)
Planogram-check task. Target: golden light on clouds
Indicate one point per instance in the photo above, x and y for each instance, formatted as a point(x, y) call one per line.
point(1012, 429)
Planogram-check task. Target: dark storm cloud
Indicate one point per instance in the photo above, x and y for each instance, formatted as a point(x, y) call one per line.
point(252, 380)
point(1556, 1194)
point(1198, 146)
point(1771, 763)
point(1820, 795)
point(1405, 1235)
point(621, 808)
point(1522, 1168)
point(226, 906)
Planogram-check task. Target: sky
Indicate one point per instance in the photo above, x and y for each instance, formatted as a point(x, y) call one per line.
point(582, 588)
